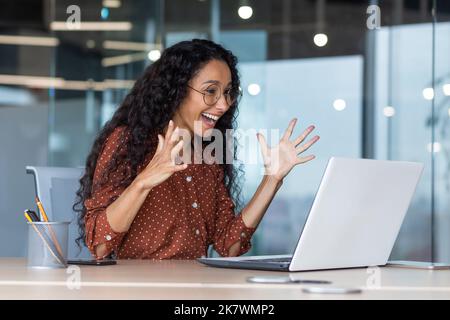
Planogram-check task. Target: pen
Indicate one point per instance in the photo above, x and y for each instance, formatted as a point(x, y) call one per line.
point(34, 217)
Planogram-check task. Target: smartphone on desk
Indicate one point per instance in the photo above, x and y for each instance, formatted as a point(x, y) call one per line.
point(92, 262)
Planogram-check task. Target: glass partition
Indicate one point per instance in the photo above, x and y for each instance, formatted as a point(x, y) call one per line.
point(403, 75)
point(411, 114)
point(441, 131)
point(99, 59)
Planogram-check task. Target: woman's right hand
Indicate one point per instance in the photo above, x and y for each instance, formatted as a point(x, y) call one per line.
point(162, 165)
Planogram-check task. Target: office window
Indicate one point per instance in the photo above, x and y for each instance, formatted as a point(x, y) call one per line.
point(367, 90)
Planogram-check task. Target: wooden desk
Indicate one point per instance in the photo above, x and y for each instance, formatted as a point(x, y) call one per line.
point(141, 279)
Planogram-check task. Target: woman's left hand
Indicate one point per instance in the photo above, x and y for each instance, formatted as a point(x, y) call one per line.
point(279, 160)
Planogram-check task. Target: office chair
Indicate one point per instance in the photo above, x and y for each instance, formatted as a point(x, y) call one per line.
point(56, 188)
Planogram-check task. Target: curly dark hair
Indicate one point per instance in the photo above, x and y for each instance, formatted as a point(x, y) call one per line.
point(146, 111)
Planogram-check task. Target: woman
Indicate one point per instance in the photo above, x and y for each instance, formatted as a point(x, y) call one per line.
point(137, 201)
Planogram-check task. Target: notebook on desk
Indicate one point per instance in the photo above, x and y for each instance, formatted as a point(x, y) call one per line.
point(354, 220)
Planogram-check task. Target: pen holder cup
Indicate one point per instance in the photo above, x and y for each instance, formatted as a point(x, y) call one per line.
point(47, 244)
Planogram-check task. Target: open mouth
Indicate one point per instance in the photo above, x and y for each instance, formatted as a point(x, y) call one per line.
point(209, 119)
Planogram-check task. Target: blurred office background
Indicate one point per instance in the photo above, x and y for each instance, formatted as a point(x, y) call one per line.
point(372, 92)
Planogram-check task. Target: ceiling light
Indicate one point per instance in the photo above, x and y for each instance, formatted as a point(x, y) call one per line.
point(112, 3)
point(436, 147)
point(29, 41)
point(428, 93)
point(90, 44)
point(389, 111)
point(446, 89)
point(124, 59)
point(339, 104)
point(320, 39)
point(254, 89)
point(62, 84)
point(93, 26)
point(129, 46)
point(154, 55)
point(245, 12)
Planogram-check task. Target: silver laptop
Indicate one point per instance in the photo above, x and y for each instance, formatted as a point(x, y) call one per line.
point(353, 222)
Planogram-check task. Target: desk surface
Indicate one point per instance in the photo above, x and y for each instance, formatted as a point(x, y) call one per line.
point(143, 279)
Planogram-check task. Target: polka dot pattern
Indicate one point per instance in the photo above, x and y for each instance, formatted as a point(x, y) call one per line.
point(179, 219)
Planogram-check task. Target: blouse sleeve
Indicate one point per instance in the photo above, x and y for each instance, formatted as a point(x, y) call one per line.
point(229, 228)
point(97, 228)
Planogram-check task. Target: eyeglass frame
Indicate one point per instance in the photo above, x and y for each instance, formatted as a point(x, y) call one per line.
point(204, 94)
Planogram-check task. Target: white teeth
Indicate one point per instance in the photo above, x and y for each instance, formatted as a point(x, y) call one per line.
point(210, 116)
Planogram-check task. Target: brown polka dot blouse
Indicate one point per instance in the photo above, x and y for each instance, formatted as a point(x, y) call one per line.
point(179, 219)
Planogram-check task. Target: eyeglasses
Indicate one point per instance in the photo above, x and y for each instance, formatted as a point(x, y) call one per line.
point(213, 93)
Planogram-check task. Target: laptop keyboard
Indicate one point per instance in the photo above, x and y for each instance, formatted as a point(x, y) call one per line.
point(273, 260)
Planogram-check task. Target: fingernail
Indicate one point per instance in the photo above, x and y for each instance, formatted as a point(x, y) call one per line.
point(170, 122)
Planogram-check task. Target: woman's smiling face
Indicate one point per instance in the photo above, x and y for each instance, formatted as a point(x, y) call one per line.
point(194, 114)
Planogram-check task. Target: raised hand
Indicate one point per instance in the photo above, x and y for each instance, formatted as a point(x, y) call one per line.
point(163, 164)
point(279, 160)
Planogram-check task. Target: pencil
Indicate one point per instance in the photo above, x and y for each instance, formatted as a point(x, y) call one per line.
point(61, 261)
point(45, 218)
point(41, 209)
